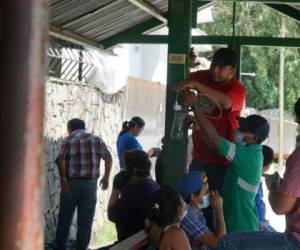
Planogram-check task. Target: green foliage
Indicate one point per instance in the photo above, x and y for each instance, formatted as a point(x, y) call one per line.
point(254, 19)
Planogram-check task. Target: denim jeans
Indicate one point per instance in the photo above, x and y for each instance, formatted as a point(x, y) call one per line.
point(258, 241)
point(265, 226)
point(82, 195)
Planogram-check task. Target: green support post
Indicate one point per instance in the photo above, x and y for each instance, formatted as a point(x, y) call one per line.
point(236, 46)
point(180, 23)
point(235, 43)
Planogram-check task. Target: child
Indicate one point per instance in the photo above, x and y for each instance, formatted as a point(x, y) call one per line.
point(194, 190)
point(260, 205)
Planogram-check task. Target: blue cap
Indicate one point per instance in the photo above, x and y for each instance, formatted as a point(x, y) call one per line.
point(255, 124)
point(190, 183)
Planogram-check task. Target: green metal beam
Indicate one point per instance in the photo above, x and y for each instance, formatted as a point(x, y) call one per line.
point(243, 40)
point(194, 14)
point(236, 46)
point(201, 4)
point(286, 10)
point(163, 39)
point(259, 1)
point(136, 31)
point(149, 9)
point(196, 7)
point(272, 42)
point(131, 33)
point(248, 40)
point(147, 39)
point(178, 54)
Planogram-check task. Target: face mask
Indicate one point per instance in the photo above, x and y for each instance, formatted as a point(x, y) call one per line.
point(205, 202)
point(238, 137)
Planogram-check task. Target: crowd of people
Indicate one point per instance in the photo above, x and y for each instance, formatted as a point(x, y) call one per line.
point(217, 204)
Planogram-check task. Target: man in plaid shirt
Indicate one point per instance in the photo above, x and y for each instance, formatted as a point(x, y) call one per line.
point(78, 163)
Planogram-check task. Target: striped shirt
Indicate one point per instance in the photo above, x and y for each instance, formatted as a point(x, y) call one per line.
point(82, 152)
point(194, 226)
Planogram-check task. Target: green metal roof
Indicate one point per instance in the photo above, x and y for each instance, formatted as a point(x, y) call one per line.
point(106, 23)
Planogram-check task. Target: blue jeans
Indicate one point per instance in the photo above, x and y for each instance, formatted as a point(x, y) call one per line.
point(265, 226)
point(82, 195)
point(258, 241)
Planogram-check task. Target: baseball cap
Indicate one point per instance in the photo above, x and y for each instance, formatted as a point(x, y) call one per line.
point(190, 183)
point(256, 125)
point(225, 57)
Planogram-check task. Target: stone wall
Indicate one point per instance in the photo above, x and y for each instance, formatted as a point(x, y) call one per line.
point(103, 115)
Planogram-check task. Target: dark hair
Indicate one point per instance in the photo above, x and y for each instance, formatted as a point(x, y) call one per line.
point(137, 163)
point(135, 121)
point(297, 108)
point(224, 57)
point(268, 155)
point(297, 141)
point(197, 192)
point(75, 124)
point(164, 207)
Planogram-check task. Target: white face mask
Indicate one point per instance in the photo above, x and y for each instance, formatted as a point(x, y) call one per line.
point(238, 137)
point(205, 202)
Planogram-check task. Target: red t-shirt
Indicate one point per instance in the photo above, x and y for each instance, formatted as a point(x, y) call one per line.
point(227, 123)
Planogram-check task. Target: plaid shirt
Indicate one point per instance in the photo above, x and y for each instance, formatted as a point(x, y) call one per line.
point(194, 225)
point(82, 153)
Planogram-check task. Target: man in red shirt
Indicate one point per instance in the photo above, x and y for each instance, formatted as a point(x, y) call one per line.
point(223, 99)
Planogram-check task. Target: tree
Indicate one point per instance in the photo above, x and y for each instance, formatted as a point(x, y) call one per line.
point(255, 19)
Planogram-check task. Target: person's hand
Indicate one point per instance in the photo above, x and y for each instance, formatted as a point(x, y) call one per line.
point(272, 180)
point(216, 201)
point(156, 152)
point(104, 182)
point(188, 98)
point(64, 185)
point(150, 152)
point(188, 84)
point(193, 58)
point(190, 122)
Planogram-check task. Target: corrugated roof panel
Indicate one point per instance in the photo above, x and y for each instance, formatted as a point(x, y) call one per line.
point(99, 19)
point(119, 20)
point(162, 5)
point(109, 13)
point(110, 30)
point(64, 11)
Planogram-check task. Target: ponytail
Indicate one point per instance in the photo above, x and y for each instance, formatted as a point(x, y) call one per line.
point(126, 126)
point(135, 121)
point(164, 207)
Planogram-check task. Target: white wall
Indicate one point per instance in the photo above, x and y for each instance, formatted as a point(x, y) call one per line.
point(103, 115)
point(148, 62)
